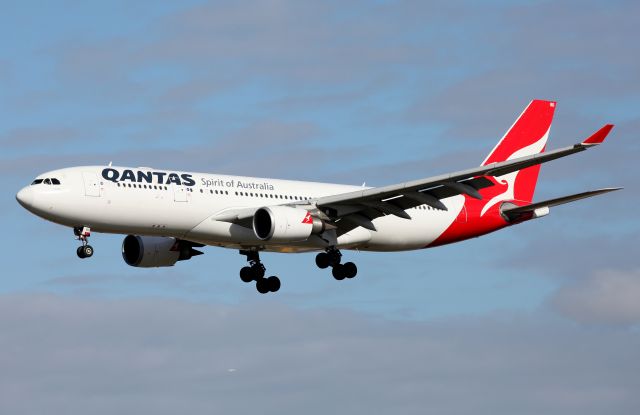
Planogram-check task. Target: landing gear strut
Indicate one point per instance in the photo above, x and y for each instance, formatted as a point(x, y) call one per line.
point(255, 272)
point(82, 234)
point(331, 258)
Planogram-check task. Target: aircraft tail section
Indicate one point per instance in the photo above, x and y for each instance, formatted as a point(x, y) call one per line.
point(527, 136)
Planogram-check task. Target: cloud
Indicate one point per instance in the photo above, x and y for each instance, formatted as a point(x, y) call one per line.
point(604, 297)
point(68, 355)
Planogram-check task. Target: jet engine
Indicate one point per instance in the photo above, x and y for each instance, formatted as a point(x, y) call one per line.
point(285, 224)
point(156, 251)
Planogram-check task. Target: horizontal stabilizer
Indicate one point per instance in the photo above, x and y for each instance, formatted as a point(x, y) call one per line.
point(599, 136)
point(515, 212)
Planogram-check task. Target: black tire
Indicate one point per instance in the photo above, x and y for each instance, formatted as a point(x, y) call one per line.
point(80, 252)
point(274, 283)
point(87, 250)
point(334, 258)
point(246, 274)
point(350, 270)
point(322, 260)
point(258, 272)
point(338, 272)
point(262, 285)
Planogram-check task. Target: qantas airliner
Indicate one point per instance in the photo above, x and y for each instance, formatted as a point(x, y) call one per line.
point(167, 214)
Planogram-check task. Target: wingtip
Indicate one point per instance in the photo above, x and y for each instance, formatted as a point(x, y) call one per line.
point(599, 136)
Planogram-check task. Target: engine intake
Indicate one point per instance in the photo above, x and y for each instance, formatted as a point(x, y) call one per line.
point(156, 251)
point(285, 224)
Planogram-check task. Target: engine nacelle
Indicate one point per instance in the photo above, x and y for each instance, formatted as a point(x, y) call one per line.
point(285, 224)
point(155, 251)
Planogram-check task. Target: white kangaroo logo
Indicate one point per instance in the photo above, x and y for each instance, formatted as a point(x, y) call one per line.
point(510, 178)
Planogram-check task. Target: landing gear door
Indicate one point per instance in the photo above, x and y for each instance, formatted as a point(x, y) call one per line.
point(91, 184)
point(179, 193)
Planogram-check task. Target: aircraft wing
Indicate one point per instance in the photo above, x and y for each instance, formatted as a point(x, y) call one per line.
point(239, 216)
point(361, 206)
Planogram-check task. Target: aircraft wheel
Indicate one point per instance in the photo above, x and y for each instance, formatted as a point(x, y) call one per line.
point(262, 285)
point(322, 260)
point(246, 274)
point(350, 270)
point(338, 272)
point(80, 252)
point(273, 283)
point(87, 251)
point(257, 271)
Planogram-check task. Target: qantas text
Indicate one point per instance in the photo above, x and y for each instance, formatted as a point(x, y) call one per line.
point(140, 176)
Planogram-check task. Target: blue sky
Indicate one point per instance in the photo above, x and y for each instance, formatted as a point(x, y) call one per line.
point(375, 92)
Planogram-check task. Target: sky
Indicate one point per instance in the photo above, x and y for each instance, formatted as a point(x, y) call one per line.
point(543, 317)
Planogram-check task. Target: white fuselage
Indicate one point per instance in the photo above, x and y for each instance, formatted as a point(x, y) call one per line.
point(156, 205)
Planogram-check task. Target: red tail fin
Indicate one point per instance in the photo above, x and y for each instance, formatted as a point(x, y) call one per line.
point(527, 136)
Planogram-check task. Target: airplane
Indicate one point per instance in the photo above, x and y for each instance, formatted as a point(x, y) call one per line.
point(166, 215)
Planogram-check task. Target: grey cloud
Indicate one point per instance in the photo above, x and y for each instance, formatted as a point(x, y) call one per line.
point(138, 356)
point(603, 297)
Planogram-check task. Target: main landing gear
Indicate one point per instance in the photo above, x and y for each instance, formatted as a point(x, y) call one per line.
point(255, 272)
point(82, 234)
point(332, 258)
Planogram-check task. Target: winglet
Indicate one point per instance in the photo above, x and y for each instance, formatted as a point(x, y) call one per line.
point(598, 137)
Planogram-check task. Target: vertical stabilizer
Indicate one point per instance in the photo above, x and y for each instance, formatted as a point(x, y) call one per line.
point(527, 136)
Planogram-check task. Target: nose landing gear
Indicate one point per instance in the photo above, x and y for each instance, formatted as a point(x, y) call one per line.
point(82, 234)
point(255, 272)
point(332, 258)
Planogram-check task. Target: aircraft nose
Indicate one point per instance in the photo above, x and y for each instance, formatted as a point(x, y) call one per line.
point(25, 197)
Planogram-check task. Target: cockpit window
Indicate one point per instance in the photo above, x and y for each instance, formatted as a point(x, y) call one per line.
point(49, 181)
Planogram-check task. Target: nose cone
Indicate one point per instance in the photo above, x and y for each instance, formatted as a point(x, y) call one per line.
point(25, 197)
